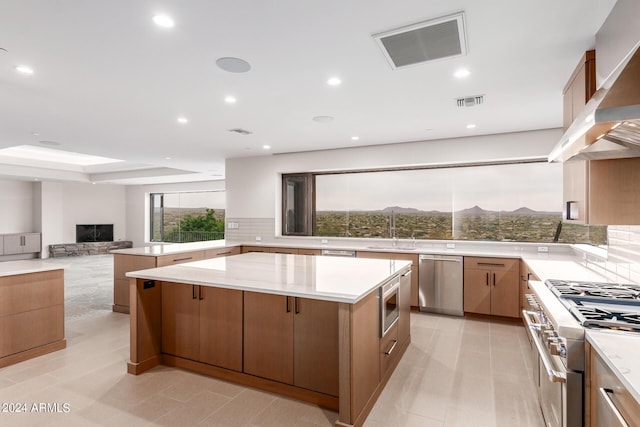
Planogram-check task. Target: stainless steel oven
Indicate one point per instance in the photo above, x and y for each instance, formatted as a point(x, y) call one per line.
point(389, 308)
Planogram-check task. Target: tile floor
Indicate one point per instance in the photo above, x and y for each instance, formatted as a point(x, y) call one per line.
point(457, 372)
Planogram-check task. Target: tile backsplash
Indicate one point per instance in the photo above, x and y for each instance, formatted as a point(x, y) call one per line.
point(247, 229)
point(622, 262)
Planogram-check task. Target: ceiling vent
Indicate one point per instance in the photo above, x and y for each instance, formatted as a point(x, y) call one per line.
point(241, 131)
point(425, 41)
point(470, 101)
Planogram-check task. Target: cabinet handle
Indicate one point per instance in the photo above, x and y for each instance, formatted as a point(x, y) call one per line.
point(224, 253)
point(487, 279)
point(200, 297)
point(388, 352)
point(287, 306)
point(193, 292)
point(297, 308)
point(494, 279)
point(493, 264)
point(182, 259)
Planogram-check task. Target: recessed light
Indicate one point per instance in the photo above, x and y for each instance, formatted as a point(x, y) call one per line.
point(35, 133)
point(167, 158)
point(462, 73)
point(355, 138)
point(51, 143)
point(233, 65)
point(266, 147)
point(183, 120)
point(24, 69)
point(230, 99)
point(471, 126)
point(163, 21)
point(323, 119)
point(334, 81)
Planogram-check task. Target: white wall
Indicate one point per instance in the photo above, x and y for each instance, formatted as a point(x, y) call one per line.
point(16, 206)
point(48, 201)
point(137, 200)
point(92, 204)
point(253, 184)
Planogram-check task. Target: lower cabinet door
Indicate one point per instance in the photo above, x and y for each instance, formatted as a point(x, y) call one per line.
point(477, 291)
point(315, 345)
point(31, 329)
point(180, 320)
point(268, 336)
point(505, 294)
point(221, 327)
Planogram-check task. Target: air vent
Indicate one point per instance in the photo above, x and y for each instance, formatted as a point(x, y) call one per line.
point(470, 101)
point(241, 131)
point(425, 41)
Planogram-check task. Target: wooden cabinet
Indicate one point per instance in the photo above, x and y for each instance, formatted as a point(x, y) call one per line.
point(606, 395)
point(401, 256)
point(313, 252)
point(404, 322)
point(23, 243)
point(124, 263)
point(31, 315)
point(491, 286)
point(292, 340)
point(220, 252)
point(293, 251)
point(247, 249)
point(202, 323)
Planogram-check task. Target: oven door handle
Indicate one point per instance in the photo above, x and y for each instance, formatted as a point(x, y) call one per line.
point(554, 375)
point(614, 411)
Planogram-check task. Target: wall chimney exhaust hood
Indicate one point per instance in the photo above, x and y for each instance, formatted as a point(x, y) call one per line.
point(610, 120)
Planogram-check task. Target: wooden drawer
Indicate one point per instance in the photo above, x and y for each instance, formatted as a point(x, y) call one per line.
point(123, 263)
point(493, 264)
point(293, 251)
point(316, 252)
point(24, 331)
point(218, 252)
point(32, 291)
point(179, 258)
point(247, 249)
point(389, 349)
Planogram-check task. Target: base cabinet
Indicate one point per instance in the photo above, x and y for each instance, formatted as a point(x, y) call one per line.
point(202, 323)
point(292, 340)
point(491, 286)
point(23, 243)
point(400, 256)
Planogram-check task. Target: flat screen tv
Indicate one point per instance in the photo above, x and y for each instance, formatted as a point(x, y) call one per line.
point(94, 233)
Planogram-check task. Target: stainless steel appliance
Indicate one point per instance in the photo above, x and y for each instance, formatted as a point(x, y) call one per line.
point(440, 284)
point(556, 316)
point(389, 304)
point(338, 252)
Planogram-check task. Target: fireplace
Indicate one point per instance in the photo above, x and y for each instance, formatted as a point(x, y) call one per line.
point(94, 233)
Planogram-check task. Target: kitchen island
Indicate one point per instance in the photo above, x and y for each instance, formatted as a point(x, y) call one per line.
point(301, 326)
point(31, 310)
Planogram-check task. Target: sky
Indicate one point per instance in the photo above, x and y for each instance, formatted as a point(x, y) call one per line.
point(537, 186)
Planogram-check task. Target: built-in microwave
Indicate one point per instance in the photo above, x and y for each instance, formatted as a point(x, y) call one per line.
point(389, 308)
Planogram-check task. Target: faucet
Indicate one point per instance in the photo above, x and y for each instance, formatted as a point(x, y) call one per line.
point(392, 228)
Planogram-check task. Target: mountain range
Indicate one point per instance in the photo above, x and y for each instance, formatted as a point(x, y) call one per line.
point(475, 210)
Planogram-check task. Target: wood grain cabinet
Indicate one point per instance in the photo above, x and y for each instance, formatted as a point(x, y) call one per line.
point(31, 315)
point(292, 340)
point(202, 323)
point(491, 286)
point(526, 274)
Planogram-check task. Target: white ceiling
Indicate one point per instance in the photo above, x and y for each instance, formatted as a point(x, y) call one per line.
point(109, 82)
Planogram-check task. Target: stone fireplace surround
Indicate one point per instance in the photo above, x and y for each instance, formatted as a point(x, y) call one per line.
point(87, 248)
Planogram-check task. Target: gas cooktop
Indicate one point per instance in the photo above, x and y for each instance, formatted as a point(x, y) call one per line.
point(600, 305)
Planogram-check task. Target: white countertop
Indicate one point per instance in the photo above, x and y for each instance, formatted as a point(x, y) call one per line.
point(326, 278)
point(12, 268)
point(562, 268)
point(176, 248)
point(621, 352)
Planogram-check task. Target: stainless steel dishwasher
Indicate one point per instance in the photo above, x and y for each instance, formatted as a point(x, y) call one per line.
point(440, 284)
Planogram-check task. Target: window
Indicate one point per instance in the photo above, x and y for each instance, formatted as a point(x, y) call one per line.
point(498, 202)
point(297, 209)
point(187, 216)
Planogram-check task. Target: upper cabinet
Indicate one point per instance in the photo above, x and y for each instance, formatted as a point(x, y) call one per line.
point(595, 191)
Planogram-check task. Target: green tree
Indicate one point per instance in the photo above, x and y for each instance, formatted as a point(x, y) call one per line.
point(206, 222)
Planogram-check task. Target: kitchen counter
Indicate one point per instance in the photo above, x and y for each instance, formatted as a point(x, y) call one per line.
point(176, 248)
point(12, 268)
point(621, 353)
point(326, 278)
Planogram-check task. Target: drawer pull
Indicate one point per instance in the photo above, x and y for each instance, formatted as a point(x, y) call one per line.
point(182, 259)
point(388, 352)
point(493, 264)
point(224, 253)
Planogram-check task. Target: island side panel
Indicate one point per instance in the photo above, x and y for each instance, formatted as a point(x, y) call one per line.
point(122, 264)
point(146, 325)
